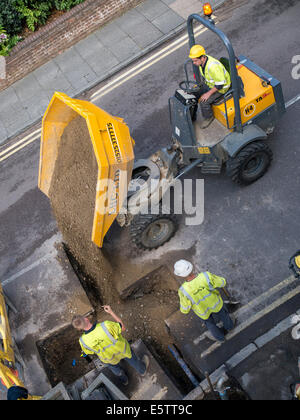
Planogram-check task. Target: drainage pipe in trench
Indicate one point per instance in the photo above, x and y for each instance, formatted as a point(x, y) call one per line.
point(183, 365)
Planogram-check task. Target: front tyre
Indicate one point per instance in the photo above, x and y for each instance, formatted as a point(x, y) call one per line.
point(152, 231)
point(250, 164)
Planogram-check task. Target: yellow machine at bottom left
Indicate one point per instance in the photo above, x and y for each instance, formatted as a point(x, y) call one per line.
point(10, 362)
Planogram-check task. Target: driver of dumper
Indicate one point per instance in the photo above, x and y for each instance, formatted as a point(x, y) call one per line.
point(106, 341)
point(216, 82)
point(199, 293)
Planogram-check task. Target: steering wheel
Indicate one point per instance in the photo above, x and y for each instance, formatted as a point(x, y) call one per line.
point(189, 86)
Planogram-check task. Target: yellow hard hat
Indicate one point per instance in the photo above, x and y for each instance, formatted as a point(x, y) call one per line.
point(196, 51)
point(297, 261)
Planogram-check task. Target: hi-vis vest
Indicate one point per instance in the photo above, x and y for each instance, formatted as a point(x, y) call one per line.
point(200, 295)
point(215, 74)
point(106, 341)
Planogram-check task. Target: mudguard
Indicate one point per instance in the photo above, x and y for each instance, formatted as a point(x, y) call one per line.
point(235, 142)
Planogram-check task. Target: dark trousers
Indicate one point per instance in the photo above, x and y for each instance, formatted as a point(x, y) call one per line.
point(211, 324)
point(205, 107)
point(134, 361)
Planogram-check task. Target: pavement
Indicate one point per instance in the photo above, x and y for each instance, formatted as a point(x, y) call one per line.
point(265, 361)
point(92, 60)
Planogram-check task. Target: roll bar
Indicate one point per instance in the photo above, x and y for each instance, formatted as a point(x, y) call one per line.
point(209, 24)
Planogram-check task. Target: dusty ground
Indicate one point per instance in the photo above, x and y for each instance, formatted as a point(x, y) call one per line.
point(72, 196)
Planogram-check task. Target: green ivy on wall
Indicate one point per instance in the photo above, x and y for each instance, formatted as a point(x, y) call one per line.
point(16, 15)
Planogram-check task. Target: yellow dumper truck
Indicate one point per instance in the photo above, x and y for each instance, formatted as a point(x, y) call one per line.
point(125, 188)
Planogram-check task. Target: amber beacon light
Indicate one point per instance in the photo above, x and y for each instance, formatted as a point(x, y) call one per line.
point(294, 264)
point(207, 9)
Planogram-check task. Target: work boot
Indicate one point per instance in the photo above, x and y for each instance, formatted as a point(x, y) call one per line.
point(146, 361)
point(233, 319)
point(205, 123)
point(211, 337)
point(125, 382)
point(123, 378)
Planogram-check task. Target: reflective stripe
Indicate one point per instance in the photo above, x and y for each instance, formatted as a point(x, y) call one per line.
point(209, 309)
point(210, 63)
point(107, 360)
point(87, 347)
point(190, 297)
point(93, 350)
point(195, 305)
point(110, 337)
point(185, 308)
point(203, 299)
point(106, 347)
point(187, 295)
point(207, 73)
point(210, 286)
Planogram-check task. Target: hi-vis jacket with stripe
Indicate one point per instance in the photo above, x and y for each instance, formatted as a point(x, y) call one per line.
point(105, 340)
point(216, 75)
point(201, 295)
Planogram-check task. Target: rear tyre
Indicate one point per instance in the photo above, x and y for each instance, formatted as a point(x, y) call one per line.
point(250, 164)
point(152, 231)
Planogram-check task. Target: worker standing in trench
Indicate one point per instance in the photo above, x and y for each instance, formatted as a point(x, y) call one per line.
point(198, 292)
point(106, 341)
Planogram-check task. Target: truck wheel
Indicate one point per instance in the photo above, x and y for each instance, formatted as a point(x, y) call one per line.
point(152, 231)
point(250, 164)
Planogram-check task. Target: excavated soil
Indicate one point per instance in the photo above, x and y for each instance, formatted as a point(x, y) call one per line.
point(72, 196)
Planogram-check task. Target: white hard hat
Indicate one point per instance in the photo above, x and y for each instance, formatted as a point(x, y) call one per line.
point(183, 268)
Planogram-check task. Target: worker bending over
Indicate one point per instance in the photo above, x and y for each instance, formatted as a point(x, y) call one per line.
point(217, 81)
point(106, 341)
point(198, 292)
point(18, 393)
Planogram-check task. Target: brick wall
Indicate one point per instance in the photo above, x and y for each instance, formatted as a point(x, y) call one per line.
point(61, 34)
